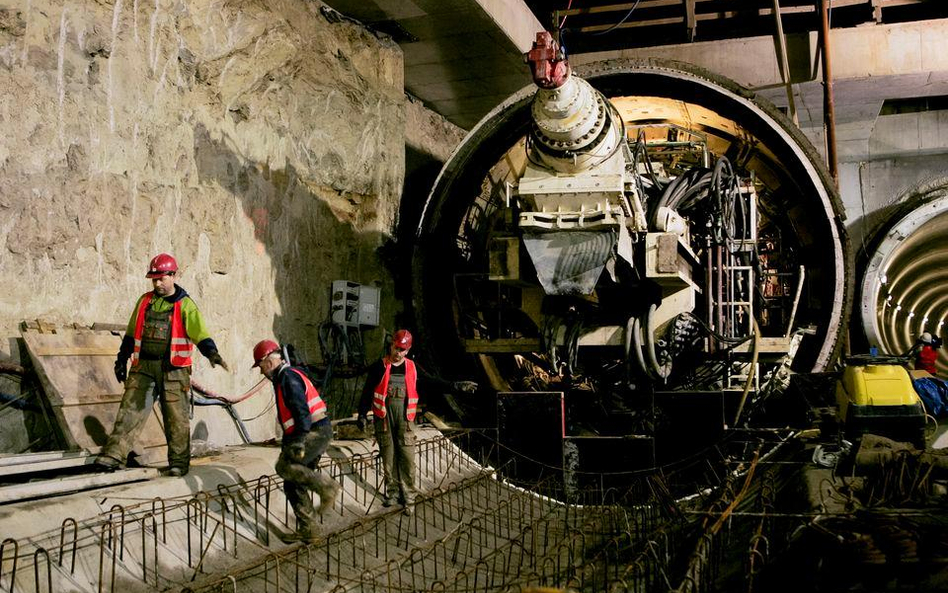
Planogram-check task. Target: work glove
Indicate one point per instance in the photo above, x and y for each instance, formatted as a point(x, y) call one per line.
point(121, 371)
point(296, 451)
point(465, 386)
point(360, 421)
point(216, 360)
point(121, 360)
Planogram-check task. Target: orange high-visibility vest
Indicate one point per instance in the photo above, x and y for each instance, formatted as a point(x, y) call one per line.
point(181, 346)
point(317, 407)
point(381, 391)
point(925, 359)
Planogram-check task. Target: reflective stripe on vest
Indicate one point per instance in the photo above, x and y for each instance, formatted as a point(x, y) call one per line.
point(381, 390)
point(181, 346)
point(317, 407)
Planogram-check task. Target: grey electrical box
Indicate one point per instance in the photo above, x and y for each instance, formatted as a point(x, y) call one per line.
point(369, 303)
point(345, 302)
point(354, 304)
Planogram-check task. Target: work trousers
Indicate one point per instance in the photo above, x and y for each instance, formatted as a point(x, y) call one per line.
point(396, 438)
point(150, 380)
point(299, 477)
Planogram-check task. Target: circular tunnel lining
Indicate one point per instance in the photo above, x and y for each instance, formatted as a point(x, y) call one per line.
point(904, 288)
point(808, 201)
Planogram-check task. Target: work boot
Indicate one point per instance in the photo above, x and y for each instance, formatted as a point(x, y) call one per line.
point(388, 500)
point(106, 464)
point(174, 472)
point(326, 499)
point(303, 535)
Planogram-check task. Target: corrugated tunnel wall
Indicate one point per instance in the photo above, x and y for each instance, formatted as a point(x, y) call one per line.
point(906, 271)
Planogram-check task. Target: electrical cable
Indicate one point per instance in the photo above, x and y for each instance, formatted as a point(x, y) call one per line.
point(640, 141)
point(716, 335)
point(660, 371)
point(571, 340)
point(636, 330)
point(568, 6)
point(224, 398)
point(753, 369)
point(615, 26)
point(267, 409)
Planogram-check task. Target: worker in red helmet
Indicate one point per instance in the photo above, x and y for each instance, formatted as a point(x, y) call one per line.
point(159, 340)
point(927, 352)
point(391, 392)
point(307, 433)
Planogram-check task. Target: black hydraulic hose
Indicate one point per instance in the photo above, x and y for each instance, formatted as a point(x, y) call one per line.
point(682, 192)
point(721, 338)
point(200, 400)
point(666, 198)
point(202, 396)
point(640, 144)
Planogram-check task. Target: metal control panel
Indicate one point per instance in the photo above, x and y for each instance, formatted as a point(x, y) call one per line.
point(353, 304)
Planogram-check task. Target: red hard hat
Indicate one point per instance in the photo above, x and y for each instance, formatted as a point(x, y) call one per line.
point(263, 349)
point(160, 265)
point(402, 339)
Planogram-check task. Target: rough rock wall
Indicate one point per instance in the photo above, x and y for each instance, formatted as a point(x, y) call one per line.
point(259, 142)
point(429, 133)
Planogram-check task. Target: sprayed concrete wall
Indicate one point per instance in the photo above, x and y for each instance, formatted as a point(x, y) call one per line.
point(261, 143)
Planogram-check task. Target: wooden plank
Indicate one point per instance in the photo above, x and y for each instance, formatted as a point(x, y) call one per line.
point(82, 390)
point(109, 327)
point(59, 486)
point(81, 459)
point(502, 346)
point(710, 16)
point(690, 22)
point(63, 351)
point(102, 398)
point(643, 5)
point(609, 335)
point(704, 4)
point(634, 24)
point(21, 458)
point(890, 3)
point(779, 345)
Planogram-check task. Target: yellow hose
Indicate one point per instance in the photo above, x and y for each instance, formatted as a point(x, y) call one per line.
point(753, 370)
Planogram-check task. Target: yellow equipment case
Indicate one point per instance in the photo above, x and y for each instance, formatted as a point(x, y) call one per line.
point(875, 395)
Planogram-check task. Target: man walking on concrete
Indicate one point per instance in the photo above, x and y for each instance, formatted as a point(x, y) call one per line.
point(164, 326)
point(307, 433)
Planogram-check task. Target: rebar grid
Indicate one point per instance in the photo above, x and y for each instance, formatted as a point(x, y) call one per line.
point(237, 515)
point(470, 532)
point(478, 535)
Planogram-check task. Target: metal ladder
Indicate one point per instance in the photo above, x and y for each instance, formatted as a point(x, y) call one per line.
point(738, 304)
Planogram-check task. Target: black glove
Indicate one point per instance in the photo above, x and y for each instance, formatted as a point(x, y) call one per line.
point(360, 421)
point(465, 386)
point(216, 360)
point(121, 372)
point(121, 360)
point(296, 451)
